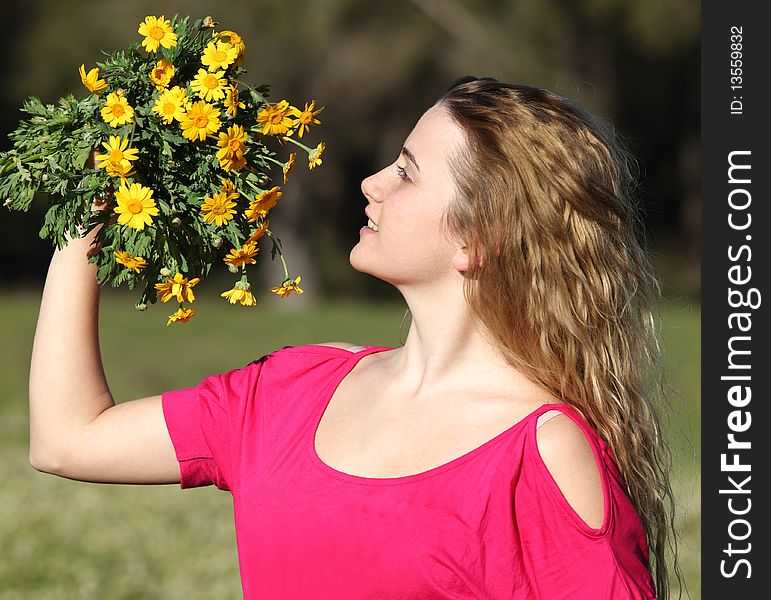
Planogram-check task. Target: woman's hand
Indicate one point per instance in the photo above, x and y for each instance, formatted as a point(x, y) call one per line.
point(98, 204)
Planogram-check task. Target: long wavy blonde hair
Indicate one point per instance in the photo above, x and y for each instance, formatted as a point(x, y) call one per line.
point(563, 280)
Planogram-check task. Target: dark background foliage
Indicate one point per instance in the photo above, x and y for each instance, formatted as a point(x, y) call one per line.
point(376, 66)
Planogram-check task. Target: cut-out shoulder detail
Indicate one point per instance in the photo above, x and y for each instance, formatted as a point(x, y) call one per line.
point(343, 346)
point(546, 416)
point(572, 463)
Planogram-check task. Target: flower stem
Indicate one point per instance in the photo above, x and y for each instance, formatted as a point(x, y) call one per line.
point(246, 85)
point(253, 186)
point(283, 262)
point(269, 233)
point(273, 160)
point(296, 143)
point(131, 135)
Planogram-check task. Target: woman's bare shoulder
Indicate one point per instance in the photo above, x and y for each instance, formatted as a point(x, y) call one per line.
point(569, 457)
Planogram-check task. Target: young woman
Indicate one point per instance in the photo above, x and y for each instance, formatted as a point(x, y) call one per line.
point(509, 449)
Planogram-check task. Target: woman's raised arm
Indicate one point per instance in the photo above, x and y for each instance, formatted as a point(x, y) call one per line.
point(76, 429)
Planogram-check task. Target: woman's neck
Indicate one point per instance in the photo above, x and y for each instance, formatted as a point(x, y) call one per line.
point(446, 345)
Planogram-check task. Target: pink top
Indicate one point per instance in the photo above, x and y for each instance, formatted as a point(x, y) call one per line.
point(490, 524)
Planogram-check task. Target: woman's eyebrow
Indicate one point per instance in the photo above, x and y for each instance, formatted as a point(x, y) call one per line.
point(410, 156)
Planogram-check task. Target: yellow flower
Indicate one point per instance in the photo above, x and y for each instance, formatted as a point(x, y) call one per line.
point(91, 80)
point(183, 315)
point(307, 118)
point(314, 158)
point(117, 160)
point(219, 55)
point(263, 203)
point(200, 120)
point(276, 119)
point(287, 288)
point(136, 206)
point(131, 262)
point(233, 162)
point(244, 256)
point(170, 104)
point(232, 148)
point(231, 101)
point(177, 287)
point(122, 170)
point(209, 86)
point(116, 110)
point(235, 40)
point(229, 189)
point(162, 73)
point(287, 168)
point(258, 233)
point(157, 32)
point(240, 294)
point(218, 209)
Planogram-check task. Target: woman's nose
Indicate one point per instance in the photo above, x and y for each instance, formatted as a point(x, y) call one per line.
point(372, 188)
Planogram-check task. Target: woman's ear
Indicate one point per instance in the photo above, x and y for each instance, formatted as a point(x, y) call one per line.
point(462, 260)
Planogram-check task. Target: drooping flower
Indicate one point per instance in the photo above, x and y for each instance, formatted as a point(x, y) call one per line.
point(307, 118)
point(117, 161)
point(276, 119)
point(287, 287)
point(122, 170)
point(129, 261)
point(288, 166)
point(243, 256)
point(116, 110)
point(235, 40)
point(218, 209)
point(162, 73)
point(232, 148)
point(233, 162)
point(209, 86)
point(170, 105)
point(136, 206)
point(177, 287)
point(259, 232)
point(314, 158)
point(91, 80)
point(200, 120)
point(240, 294)
point(164, 290)
point(231, 101)
point(219, 55)
point(183, 315)
point(158, 32)
point(259, 208)
point(229, 189)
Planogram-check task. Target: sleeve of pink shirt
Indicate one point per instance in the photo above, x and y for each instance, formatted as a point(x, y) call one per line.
point(567, 558)
point(200, 420)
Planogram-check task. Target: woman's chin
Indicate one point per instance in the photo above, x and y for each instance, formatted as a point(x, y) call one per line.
point(359, 263)
point(364, 264)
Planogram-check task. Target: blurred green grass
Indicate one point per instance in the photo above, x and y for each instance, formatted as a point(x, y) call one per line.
point(65, 539)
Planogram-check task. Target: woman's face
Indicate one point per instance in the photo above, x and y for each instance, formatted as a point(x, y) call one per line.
point(407, 200)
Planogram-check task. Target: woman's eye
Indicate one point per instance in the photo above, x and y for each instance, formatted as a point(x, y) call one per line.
point(401, 171)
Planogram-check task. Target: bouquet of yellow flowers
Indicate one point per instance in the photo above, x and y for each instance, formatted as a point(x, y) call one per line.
point(179, 142)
